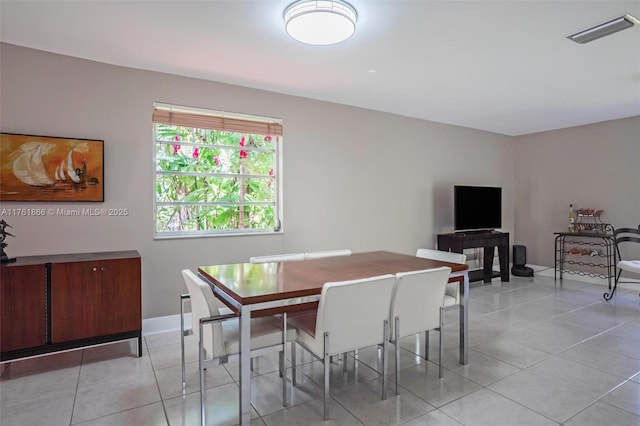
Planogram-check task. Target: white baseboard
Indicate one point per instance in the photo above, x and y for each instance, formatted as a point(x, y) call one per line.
point(165, 324)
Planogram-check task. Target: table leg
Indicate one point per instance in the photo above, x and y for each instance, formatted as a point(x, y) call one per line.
point(503, 258)
point(464, 320)
point(487, 269)
point(284, 360)
point(245, 372)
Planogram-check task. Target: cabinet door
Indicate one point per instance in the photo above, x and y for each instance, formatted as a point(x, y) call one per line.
point(95, 298)
point(120, 296)
point(22, 307)
point(75, 300)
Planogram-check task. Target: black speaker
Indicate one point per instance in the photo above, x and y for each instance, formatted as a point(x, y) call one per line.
point(519, 255)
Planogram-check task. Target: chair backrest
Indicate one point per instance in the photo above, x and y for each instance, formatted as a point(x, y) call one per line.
point(204, 305)
point(277, 258)
point(445, 256)
point(416, 300)
point(453, 289)
point(353, 313)
point(624, 236)
point(327, 253)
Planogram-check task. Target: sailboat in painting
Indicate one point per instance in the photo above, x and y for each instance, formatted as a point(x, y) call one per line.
point(59, 175)
point(71, 171)
point(29, 167)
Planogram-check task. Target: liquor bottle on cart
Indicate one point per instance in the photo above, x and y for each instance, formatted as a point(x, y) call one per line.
point(572, 219)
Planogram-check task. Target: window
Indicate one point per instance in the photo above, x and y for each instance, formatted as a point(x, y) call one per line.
point(215, 173)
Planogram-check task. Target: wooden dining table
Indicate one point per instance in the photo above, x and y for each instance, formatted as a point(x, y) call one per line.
point(280, 287)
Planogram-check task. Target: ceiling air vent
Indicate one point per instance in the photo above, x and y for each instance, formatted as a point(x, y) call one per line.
point(613, 26)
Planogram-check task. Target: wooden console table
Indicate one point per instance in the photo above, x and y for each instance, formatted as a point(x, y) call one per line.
point(59, 302)
point(459, 241)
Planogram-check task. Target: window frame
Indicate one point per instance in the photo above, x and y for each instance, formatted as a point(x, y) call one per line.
point(277, 165)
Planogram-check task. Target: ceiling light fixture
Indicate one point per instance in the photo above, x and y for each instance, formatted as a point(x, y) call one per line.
point(320, 22)
point(613, 26)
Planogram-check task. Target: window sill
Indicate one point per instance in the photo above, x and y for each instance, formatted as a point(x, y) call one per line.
point(221, 235)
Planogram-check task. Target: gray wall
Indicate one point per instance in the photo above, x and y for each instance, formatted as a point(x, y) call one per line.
point(353, 178)
point(594, 166)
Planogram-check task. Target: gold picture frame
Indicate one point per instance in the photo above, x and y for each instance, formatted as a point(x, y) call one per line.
point(45, 168)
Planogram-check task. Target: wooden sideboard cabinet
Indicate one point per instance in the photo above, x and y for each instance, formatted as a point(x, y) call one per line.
point(58, 302)
point(23, 307)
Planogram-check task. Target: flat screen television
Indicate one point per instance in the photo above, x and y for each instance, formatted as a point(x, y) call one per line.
point(477, 208)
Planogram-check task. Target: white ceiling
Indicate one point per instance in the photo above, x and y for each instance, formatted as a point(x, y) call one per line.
point(502, 66)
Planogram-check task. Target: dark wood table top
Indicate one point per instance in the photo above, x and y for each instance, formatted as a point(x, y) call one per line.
point(249, 283)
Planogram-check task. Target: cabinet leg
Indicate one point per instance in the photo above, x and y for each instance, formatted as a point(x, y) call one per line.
point(139, 344)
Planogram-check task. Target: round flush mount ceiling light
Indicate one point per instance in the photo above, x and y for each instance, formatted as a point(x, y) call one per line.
point(320, 22)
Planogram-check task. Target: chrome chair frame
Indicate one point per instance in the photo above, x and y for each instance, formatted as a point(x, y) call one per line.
point(201, 287)
point(395, 311)
point(324, 355)
point(623, 236)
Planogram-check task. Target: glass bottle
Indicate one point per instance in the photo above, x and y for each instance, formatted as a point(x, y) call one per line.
point(572, 219)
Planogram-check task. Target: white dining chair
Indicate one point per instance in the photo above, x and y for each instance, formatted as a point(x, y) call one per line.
point(417, 306)
point(219, 335)
point(277, 258)
point(327, 253)
point(287, 257)
point(330, 253)
point(452, 292)
point(351, 314)
point(191, 291)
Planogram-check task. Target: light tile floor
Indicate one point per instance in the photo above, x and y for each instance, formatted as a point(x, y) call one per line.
point(542, 353)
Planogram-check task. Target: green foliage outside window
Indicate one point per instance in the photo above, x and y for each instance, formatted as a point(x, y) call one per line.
point(212, 181)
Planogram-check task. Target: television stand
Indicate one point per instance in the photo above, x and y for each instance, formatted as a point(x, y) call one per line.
point(474, 232)
point(457, 242)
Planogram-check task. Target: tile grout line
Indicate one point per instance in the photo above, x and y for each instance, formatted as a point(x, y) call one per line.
point(155, 376)
point(75, 396)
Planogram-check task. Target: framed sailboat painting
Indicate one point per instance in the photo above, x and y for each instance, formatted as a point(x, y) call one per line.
point(43, 168)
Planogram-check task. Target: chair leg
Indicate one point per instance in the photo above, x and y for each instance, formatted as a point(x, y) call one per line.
point(426, 344)
point(284, 337)
point(440, 372)
point(397, 348)
point(609, 296)
point(201, 370)
point(184, 373)
point(283, 374)
point(385, 346)
point(327, 362)
point(355, 360)
point(344, 362)
point(293, 364)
